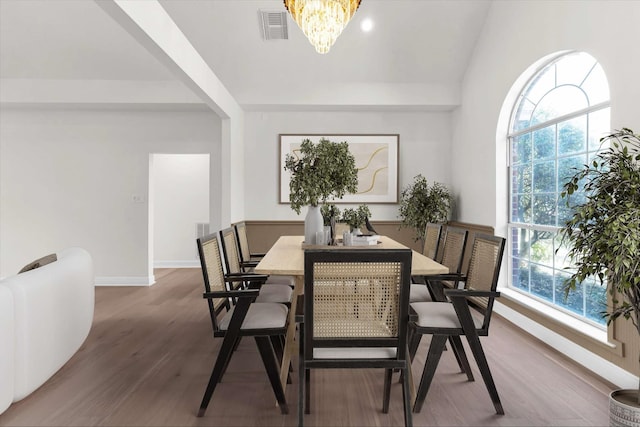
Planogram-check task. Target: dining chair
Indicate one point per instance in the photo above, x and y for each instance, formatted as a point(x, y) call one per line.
point(271, 292)
point(453, 318)
point(452, 254)
point(249, 260)
point(266, 321)
point(355, 316)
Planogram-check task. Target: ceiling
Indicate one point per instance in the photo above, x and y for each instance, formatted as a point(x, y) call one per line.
point(414, 43)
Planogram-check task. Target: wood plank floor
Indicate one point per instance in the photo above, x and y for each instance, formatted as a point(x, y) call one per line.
point(148, 358)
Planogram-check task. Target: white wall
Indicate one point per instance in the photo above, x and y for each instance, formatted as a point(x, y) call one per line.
point(180, 200)
point(67, 178)
point(424, 148)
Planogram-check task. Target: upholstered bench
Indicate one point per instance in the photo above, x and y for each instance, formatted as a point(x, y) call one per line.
point(45, 316)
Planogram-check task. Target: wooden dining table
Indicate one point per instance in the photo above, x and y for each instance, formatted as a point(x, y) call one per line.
point(286, 257)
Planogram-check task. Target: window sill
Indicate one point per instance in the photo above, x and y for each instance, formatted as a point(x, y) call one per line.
point(559, 317)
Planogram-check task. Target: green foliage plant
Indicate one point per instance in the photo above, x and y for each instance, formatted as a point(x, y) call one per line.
point(421, 203)
point(322, 170)
point(603, 235)
point(356, 218)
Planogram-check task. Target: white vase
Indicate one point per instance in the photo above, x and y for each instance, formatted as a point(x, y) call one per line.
point(312, 224)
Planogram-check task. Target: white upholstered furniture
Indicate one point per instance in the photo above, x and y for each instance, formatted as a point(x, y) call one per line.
point(45, 316)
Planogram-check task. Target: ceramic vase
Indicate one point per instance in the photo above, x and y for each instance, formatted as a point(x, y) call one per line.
point(312, 224)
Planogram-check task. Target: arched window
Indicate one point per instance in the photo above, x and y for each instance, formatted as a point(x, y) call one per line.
point(556, 126)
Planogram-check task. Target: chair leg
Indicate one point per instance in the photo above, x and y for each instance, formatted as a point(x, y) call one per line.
point(307, 399)
point(224, 354)
point(278, 347)
point(483, 365)
point(302, 379)
point(271, 365)
point(461, 356)
point(433, 357)
point(406, 397)
point(387, 390)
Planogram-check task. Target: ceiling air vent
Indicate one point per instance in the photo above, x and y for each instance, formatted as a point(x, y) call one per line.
point(273, 24)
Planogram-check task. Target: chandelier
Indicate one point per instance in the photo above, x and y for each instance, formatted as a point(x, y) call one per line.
point(322, 21)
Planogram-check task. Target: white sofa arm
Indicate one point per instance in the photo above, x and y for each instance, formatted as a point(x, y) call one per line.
point(53, 312)
point(6, 348)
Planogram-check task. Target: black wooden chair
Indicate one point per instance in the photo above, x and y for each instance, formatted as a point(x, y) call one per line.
point(443, 320)
point(451, 256)
point(355, 316)
point(249, 259)
point(266, 321)
point(271, 292)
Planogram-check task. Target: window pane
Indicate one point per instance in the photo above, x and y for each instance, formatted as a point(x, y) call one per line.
point(544, 143)
point(568, 166)
point(544, 209)
point(544, 177)
point(596, 86)
point(542, 247)
point(574, 300)
point(542, 282)
point(544, 83)
point(520, 274)
point(521, 149)
point(560, 101)
point(573, 69)
point(572, 136)
point(523, 116)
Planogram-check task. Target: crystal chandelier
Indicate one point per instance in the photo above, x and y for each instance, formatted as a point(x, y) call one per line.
point(322, 21)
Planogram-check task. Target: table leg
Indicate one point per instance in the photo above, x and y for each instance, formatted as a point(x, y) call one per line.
point(290, 339)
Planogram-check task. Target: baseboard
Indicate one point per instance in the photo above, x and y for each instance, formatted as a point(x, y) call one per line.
point(584, 357)
point(192, 263)
point(125, 281)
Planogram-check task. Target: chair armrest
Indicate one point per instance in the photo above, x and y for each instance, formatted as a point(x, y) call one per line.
point(464, 293)
point(448, 276)
point(240, 293)
point(248, 277)
point(248, 263)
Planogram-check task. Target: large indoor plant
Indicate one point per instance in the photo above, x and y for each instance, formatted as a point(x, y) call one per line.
point(319, 172)
point(421, 203)
point(603, 233)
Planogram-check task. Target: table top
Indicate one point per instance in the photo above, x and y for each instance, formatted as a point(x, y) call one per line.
point(286, 257)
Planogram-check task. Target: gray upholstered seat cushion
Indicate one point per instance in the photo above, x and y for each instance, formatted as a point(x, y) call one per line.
point(264, 315)
point(419, 293)
point(275, 293)
point(355, 353)
point(281, 280)
point(439, 315)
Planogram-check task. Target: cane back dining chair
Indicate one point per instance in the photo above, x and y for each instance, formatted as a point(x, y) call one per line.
point(271, 292)
point(355, 316)
point(452, 254)
point(447, 319)
point(249, 259)
point(265, 321)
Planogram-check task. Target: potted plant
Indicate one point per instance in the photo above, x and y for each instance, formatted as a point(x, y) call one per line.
point(322, 170)
point(603, 237)
point(356, 218)
point(421, 203)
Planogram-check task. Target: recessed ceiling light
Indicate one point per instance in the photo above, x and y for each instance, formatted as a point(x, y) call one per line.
point(366, 25)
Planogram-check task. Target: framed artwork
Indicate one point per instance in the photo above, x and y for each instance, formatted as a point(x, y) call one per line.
point(376, 159)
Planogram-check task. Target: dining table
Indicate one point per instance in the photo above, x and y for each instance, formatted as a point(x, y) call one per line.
point(286, 258)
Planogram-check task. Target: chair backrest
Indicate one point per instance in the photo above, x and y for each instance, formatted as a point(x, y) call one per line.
point(213, 275)
point(455, 241)
point(356, 298)
point(231, 254)
point(243, 241)
point(484, 269)
point(431, 240)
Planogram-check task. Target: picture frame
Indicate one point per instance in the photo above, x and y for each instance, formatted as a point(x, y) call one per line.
point(377, 159)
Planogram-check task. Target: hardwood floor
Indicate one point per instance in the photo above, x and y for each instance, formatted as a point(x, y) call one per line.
point(148, 358)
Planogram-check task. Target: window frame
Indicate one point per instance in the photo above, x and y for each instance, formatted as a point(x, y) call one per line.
point(511, 136)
